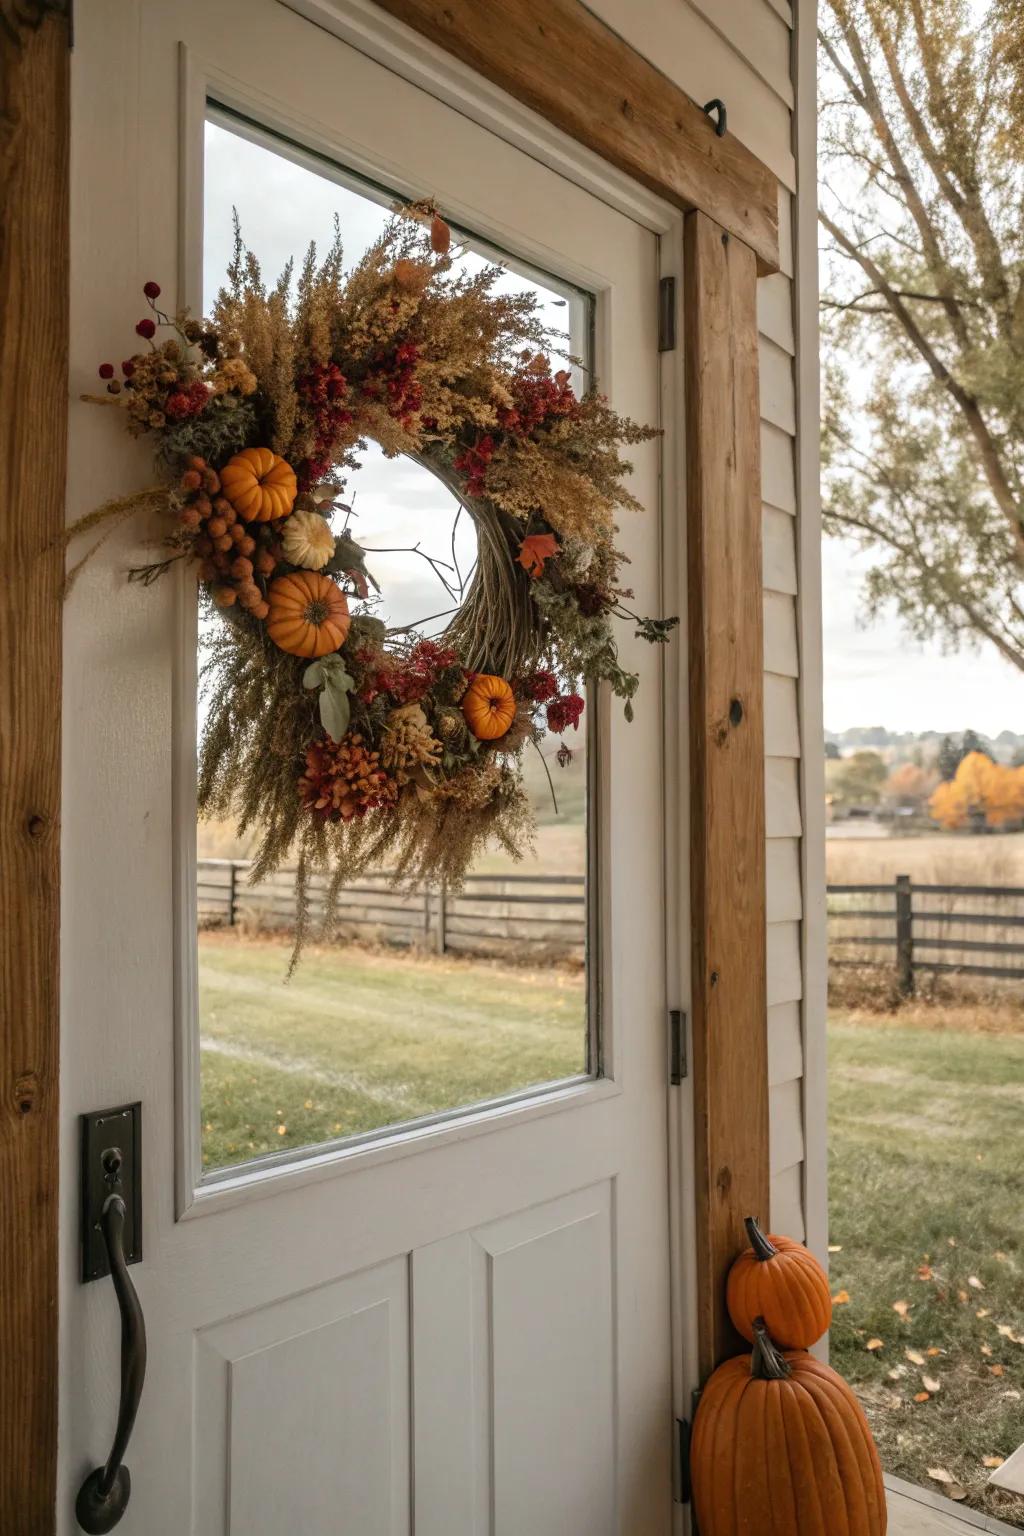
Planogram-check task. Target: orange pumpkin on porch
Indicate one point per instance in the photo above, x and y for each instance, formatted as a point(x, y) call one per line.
point(308, 614)
point(781, 1447)
point(259, 484)
point(779, 1280)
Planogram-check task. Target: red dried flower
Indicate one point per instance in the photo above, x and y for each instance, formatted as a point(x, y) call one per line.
point(540, 686)
point(565, 711)
point(106, 370)
point(151, 290)
point(146, 328)
point(182, 403)
point(127, 367)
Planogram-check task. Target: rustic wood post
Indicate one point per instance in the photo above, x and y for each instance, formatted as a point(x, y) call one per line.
point(441, 930)
point(904, 936)
point(727, 830)
point(34, 117)
point(232, 892)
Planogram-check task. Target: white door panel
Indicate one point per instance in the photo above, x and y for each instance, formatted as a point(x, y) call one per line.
point(461, 1331)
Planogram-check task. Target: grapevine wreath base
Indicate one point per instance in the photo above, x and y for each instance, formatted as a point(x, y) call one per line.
point(347, 745)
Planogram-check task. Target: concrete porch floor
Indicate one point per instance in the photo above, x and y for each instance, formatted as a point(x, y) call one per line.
point(919, 1512)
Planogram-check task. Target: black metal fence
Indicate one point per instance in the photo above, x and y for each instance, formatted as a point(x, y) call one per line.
point(967, 930)
point(542, 914)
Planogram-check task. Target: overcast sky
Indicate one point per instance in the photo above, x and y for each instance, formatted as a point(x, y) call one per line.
point(874, 675)
point(877, 674)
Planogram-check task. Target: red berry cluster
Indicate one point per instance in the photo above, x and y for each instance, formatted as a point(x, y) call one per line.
point(565, 711)
point(229, 555)
point(392, 378)
point(473, 462)
point(538, 398)
point(408, 679)
point(324, 389)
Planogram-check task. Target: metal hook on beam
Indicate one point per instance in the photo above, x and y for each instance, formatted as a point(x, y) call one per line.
point(716, 108)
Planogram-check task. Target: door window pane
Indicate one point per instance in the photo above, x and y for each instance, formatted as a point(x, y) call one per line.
point(426, 1002)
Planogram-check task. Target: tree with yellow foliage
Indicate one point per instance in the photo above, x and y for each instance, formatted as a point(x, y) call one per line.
point(982, 793)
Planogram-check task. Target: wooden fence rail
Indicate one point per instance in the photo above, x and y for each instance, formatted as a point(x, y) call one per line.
point(492, 914)
point(929, 929)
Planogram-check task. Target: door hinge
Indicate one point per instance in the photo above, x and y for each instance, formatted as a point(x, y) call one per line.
point(667, 314)
point(682, 1461)
point(677, 1064)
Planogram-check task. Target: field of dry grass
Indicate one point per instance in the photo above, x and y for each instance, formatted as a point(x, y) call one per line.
point(937, 858)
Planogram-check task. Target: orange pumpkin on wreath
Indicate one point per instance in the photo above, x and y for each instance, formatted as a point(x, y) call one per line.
point(308, 614)
point(781, 1281)
point(259, 484)
point(781, 1447)
point(488, 707)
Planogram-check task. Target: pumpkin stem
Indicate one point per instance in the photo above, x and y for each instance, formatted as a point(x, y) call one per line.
point(763, 1249)
point(766, 1362)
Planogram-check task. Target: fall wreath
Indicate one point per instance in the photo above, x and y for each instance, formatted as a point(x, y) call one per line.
point(345, 744)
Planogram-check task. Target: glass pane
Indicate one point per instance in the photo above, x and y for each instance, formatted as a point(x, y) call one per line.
point(426, 1002)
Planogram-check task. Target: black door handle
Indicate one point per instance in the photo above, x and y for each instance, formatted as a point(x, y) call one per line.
point(103, 1497)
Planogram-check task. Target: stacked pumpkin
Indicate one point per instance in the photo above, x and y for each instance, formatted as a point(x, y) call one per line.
point(781, 1446)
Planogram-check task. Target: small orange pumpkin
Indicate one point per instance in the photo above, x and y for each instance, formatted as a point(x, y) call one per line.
point(259, 484)
point(308, 614)
point(781, 1447)
point(779, 1280)
point(488, 706)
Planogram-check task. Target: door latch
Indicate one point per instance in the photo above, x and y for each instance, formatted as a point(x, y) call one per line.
point(111, 1165)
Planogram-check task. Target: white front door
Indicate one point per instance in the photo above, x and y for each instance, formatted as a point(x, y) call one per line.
point(431, 1296)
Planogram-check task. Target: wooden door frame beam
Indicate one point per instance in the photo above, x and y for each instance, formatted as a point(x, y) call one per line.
point(34, 303)
point(558, 58)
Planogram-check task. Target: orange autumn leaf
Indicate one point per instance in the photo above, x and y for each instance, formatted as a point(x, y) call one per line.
point(535, 549)
point(921, 1397)
point(874, 1344)
point(992, 1461)
point(840, 1298)
point(996, 1370)
point(901, 1308)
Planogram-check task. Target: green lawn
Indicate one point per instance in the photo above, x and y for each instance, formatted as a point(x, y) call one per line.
point(360, 1039)
point(927, 1208)
point(926, 1165)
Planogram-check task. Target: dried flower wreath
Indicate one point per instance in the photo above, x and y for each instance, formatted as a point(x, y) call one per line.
point(344, 743)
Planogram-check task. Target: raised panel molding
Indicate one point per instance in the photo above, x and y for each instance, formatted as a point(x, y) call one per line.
point(514, 1348)
point(302, 1413)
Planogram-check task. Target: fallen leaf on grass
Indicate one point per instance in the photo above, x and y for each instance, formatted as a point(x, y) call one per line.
point(875, 1344)
point(925, 1272)
point(975, 1283)
point(948, 1481)
point(921, 1397)
point(914, 1356)
point(930, 1384)
point(985, 1349)
point(996, 1370)
point(1008, 1333)
point(1014, 1396)
point(840, 1298)
point(983, 1312)
point(992, 1461)
point(963, 1296)
point(897, 1373)
point(835, 1247)
point(901, 1308)
point(933, 1351)
point(951, 1241)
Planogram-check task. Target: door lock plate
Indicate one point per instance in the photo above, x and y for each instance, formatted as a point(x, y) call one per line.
point(111, 1164)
